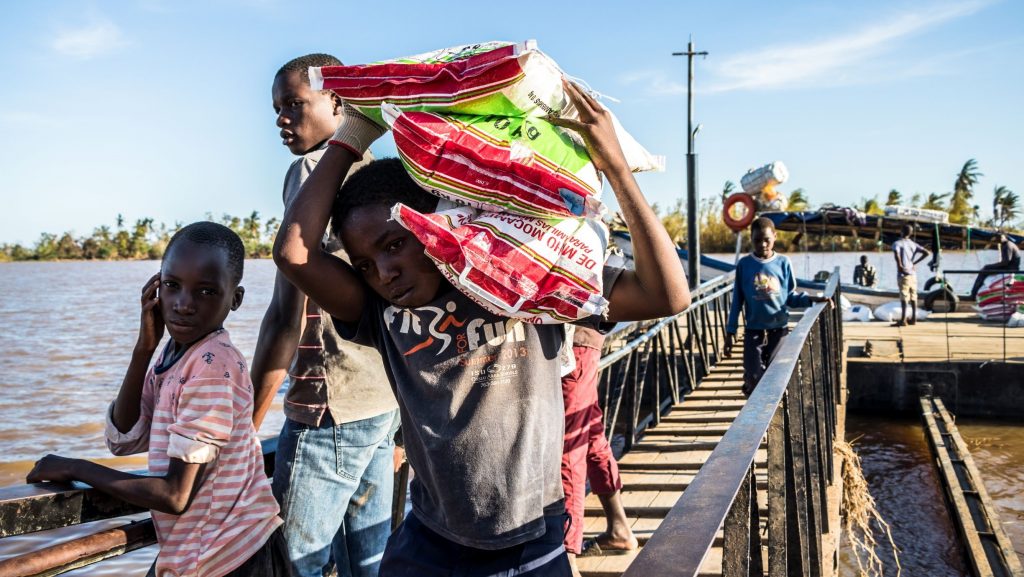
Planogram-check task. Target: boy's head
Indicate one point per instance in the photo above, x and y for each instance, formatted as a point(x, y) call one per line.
point(908, 230)
point(390, 258)
point(762, 237)
point(199, 278)
point(864, 259)
point(305, 116)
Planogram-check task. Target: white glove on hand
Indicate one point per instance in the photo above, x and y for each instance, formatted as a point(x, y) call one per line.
point(356, 132)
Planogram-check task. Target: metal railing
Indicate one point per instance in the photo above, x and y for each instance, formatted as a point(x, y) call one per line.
point(1005, 305)
point(795, 405)
point(645, 368)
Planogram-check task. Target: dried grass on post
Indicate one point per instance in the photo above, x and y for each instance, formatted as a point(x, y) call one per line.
point(859, 513)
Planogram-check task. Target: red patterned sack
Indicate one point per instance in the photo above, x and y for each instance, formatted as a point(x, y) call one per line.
point(524, 166)
point(540, 271)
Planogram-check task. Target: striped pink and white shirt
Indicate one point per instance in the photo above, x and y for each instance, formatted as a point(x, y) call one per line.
point(200, 411)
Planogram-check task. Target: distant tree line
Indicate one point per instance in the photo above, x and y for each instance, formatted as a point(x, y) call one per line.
point(142, 241)
point(715, 236)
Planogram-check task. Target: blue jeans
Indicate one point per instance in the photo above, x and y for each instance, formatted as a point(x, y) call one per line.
point(335, 485)
point(416, 551)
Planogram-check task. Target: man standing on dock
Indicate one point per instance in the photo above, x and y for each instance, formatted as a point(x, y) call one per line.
point(1009, 260)
point(908, 253)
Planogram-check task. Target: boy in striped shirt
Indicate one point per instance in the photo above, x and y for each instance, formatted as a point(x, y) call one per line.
point(210, 498)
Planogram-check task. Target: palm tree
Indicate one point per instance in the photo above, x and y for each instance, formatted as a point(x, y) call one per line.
point(960, 209)
point(935, 201)
point(251, 226)
point(727, 189)
point(895, 197)
point(798, 200)
point(916, 199)
point(1005, 206)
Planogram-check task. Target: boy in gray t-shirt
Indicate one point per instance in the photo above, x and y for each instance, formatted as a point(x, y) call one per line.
point(480, 394)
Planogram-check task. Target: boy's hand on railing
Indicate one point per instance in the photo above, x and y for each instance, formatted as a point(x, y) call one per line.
point(822, 299)
point(51, 468)
point(727, 349)
point(151, 327)
point(398, 458)
point(596, 127)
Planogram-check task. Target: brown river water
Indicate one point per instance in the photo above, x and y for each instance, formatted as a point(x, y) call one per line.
point(68, 331)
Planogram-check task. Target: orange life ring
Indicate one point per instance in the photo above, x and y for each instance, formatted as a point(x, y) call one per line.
point(738, 224)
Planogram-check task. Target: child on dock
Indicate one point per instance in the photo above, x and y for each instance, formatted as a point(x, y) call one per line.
point(765, 289)
point(209, 495)
point(479, 394)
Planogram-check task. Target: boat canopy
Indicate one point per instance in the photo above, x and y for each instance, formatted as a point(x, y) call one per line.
point(852, 223)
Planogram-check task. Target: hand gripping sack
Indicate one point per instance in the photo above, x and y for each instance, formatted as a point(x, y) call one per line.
point(524, 166)
point(539, 271)
point(490, 78)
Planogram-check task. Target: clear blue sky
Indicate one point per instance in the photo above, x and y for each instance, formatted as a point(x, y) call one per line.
point(162, 108)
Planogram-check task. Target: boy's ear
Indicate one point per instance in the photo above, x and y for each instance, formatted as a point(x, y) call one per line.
point(338, 104)
point(236, 301)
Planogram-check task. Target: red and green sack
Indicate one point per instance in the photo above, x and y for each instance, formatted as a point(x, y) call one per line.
point(520, 165)
point(491, 78)
point(1001, 296)
point(537, 270)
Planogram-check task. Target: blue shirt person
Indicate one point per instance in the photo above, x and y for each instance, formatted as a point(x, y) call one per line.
point(765, 289)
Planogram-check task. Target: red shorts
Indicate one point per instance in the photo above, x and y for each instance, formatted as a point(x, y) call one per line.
point(586, 453)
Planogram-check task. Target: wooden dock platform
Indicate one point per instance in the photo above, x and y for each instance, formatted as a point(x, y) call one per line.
point(659, 468)
point(940, 337)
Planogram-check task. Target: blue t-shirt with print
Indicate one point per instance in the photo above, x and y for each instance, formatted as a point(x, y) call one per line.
point(765, 288)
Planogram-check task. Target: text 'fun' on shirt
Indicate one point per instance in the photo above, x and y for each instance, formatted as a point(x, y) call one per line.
point(765, 288)
point(482, 414)
point(199, 410)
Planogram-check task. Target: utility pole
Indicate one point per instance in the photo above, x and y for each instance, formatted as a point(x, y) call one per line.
point(692, 195)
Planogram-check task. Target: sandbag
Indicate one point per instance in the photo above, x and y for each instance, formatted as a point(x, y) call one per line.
point(1016, 320)
point(491, 78)
point(524, 166)
point(860, 313)
point(540, 271)
point(892, 311)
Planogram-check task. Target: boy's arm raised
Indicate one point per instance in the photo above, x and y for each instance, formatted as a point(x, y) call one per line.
point(657, 287)
point(128, 406)
point(323, 277)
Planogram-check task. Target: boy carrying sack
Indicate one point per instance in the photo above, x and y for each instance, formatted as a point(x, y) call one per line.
point(482, 409)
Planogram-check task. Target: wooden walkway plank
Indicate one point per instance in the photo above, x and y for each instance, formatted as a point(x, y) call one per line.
point(663, 464)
